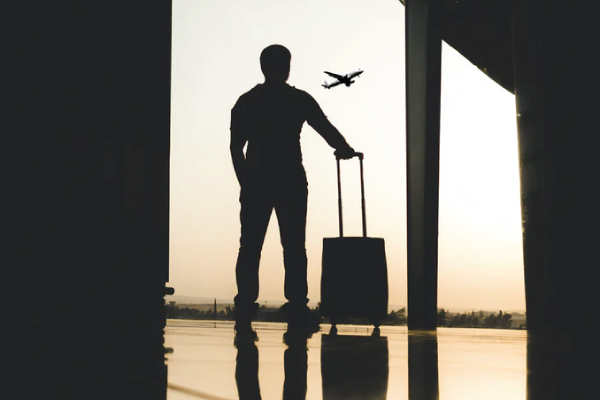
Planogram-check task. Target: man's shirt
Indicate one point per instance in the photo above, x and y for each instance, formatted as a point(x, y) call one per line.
point(269, 118)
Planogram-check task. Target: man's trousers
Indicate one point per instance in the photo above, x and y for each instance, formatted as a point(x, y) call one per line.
point(257, 204)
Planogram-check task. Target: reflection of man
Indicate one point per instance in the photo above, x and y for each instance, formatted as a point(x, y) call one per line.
point(295, 367)
point(269, 119)
point(246, 371)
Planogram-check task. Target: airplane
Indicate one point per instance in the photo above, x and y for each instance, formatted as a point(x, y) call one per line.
point(345, 79)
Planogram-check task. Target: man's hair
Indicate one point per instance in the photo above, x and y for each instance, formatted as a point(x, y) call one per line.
point(275, 60)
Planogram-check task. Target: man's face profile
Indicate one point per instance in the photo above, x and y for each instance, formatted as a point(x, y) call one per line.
point(275, 63)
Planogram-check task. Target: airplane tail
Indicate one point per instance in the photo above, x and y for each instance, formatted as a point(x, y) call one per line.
point(325, 85)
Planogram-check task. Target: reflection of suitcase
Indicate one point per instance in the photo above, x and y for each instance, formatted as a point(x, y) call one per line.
point(354, 271)
point(354, 367)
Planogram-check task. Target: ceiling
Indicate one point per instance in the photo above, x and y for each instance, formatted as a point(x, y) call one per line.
point(480, 30)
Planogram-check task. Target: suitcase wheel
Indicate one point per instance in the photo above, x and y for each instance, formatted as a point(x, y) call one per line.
point(333, 320)
point(376, 322)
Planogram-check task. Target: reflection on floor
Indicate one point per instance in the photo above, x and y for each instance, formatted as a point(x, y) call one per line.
point(354, 364)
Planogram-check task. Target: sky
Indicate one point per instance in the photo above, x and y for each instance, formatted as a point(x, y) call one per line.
point(215, 59)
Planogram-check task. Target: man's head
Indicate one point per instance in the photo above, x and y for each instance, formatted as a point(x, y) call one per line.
point(275, 63)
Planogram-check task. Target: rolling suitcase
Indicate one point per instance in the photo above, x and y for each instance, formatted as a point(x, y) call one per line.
point(354, 280)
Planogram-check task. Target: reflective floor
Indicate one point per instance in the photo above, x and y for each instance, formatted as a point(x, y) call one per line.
point(354, 364)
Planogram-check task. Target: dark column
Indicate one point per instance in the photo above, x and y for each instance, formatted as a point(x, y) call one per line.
point(554, 71)
point(529, 100)
point(558, 124)
point(423, 75)
point(96, 196)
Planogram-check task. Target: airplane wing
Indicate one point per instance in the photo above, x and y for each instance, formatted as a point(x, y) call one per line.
point(355, 73)
point(330, 85)
point(336, 76)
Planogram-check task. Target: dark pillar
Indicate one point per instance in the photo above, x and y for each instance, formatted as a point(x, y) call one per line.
point(558, 124)
point(423, 75)
point(529, 100)
point(558, 163)
point(96, 196)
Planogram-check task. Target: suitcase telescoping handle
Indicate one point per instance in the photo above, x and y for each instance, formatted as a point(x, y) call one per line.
point(362, 195)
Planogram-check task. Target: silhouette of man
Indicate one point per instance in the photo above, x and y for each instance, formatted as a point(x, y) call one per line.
point(269, 118)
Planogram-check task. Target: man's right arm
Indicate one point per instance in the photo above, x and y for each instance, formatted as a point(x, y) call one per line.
point(319, 122)
point(238, 141)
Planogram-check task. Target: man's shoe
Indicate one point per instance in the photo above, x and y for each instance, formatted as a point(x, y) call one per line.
point(302, 321)
point(296, 338)
point(244, 314)
point(244, 332)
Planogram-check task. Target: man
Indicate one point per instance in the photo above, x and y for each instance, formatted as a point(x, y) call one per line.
point(269, 119)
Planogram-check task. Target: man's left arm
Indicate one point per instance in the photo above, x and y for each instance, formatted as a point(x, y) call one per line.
point(237, 142)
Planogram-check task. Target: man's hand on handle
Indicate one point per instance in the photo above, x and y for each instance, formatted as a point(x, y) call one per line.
point(345, 154)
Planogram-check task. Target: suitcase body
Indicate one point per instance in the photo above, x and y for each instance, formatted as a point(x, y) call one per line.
point(354, 280)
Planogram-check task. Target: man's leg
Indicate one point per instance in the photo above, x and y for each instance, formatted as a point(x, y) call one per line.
point(254, 217)
point(291, 210)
